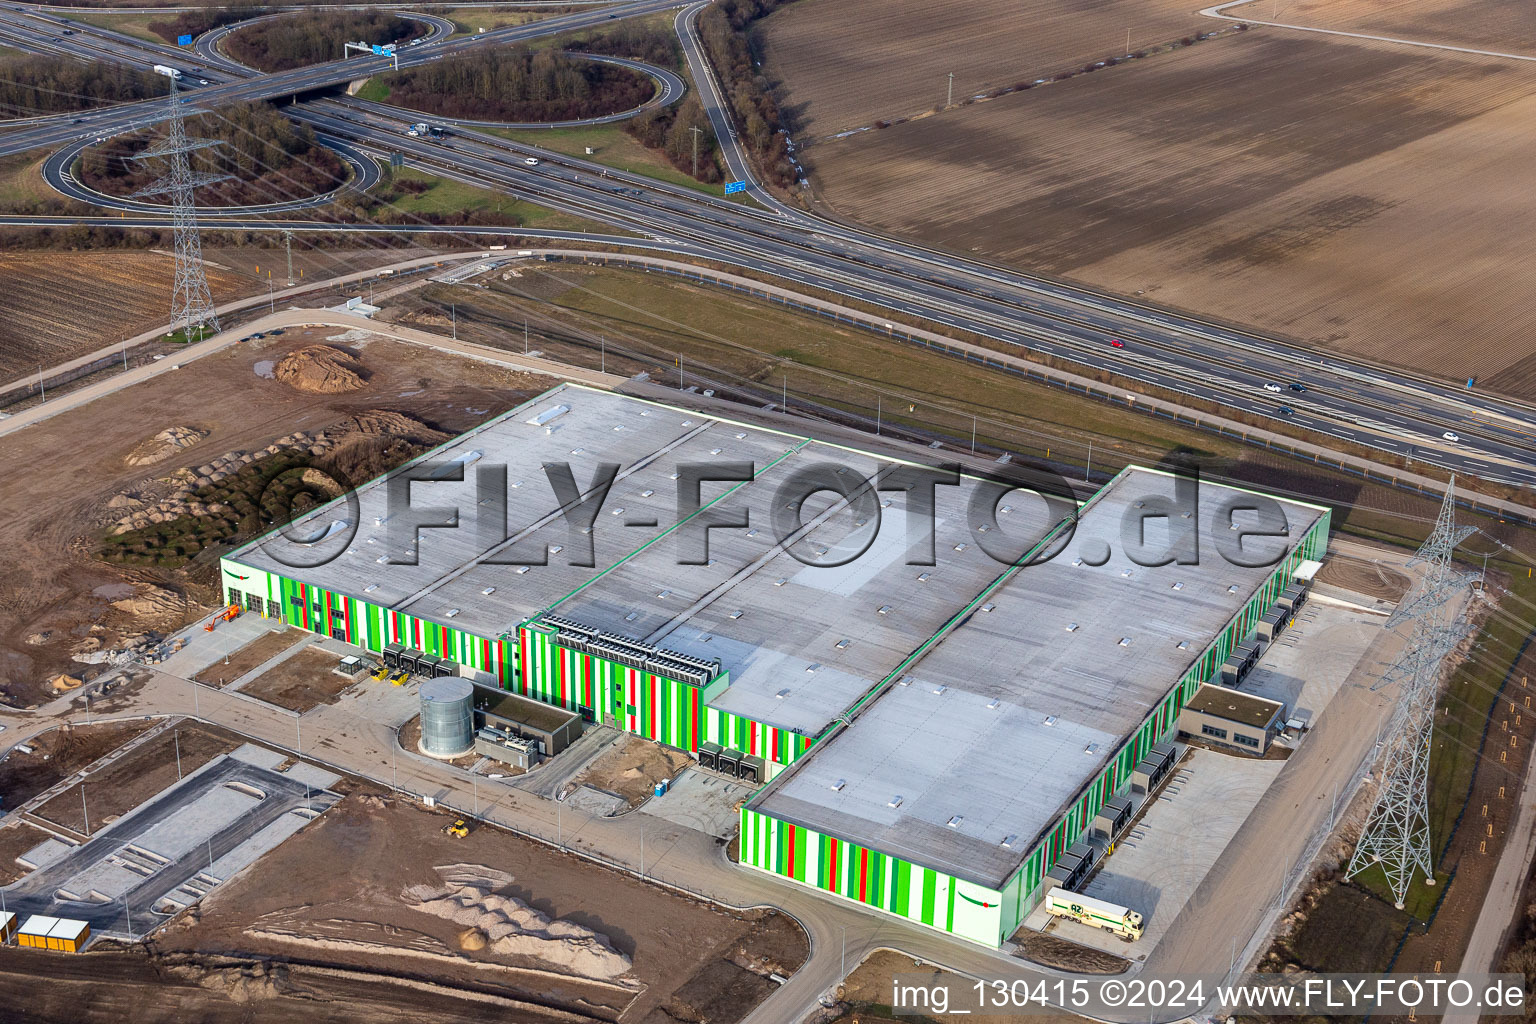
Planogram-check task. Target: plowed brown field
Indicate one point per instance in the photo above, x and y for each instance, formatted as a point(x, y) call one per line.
point(1506, 26)
point(1363, 196)
point(60, 305)
point(849, 63)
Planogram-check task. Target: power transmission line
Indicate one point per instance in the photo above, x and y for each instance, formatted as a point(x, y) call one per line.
point(191, 299)
point(1396, 834)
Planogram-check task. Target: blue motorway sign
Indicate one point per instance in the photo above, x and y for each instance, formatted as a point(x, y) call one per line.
point(735, 186)
point(183, 40)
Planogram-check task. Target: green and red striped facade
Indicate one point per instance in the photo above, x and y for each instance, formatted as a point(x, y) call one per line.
point(367, 625)
point(665, 710)
point(827, 862)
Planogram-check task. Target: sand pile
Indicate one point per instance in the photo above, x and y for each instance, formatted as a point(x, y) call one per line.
point(163, 445)
point(151, 604)
point(320, 370)
point(511, 927)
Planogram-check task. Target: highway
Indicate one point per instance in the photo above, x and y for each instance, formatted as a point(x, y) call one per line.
point(1394, 412)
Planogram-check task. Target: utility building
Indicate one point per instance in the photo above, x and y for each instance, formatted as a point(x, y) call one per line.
point(934, 737)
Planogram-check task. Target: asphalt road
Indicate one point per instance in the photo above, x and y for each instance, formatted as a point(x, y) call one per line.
point(1392, 411)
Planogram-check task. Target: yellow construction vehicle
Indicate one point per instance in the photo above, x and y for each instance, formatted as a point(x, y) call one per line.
point(383, 671)
point(457, 830)
point(400, 678)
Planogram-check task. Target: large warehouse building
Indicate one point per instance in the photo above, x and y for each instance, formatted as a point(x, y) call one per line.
point(932, 736)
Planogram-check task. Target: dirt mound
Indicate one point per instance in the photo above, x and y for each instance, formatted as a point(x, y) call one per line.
point(163, 445)
point(513, 928)
point(394, 424)
point(320, 370)
point(150, 604)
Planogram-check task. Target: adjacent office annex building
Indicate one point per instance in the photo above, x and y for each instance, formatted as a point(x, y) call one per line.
point(931, 737)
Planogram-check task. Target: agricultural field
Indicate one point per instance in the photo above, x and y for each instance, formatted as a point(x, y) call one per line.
point(1505, 26)
point(1232, 178)
point(49, 319)
point(906, 49)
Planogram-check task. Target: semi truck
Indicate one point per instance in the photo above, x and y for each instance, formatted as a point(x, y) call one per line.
point(167, 71)
point(1111, 917)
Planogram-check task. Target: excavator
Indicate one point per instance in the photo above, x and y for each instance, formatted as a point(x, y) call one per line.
point(225, 615)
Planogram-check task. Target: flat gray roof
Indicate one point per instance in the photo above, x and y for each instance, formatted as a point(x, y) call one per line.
point(1002, 723)
point(804, 642)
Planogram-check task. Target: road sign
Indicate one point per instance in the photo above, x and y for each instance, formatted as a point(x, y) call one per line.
point(183, 40)
point(383, 51)
point(735, 186)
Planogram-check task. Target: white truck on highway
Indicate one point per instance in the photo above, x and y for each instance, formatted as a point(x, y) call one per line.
point(1111, 917)
point(167, 71)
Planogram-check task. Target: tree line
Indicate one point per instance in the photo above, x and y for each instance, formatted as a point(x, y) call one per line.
point(518, 84)
point(313, 37)
point(204, 19)
point(724, 29)
point(270, 158)
point(48, 85)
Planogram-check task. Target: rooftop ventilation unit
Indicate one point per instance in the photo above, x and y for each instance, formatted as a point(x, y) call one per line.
point(1178, 586)
point(452, 612)
point(842, 645)
point(522, 570)
point(988, 606)
point(370, 588)
point(955, 821)
point(940, 688)
point(782, 693)
point(809, 669)
point(1050, 720)
point(994, 704)
point(737, 614)
point(1009, 840)
point(1125, 641)
point(539, 419)
point(923, 577)
point(905, 681)
point(884, 609)
point(894, 801)
point(837, 787)
point(488, 591)
point(780, 581)
point(1071, 627)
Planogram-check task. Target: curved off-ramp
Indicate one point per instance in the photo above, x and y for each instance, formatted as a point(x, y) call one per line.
point(207, 44)
point(58, 173)
point(670, 88)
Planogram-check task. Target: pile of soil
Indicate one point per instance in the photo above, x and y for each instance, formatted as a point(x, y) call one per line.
point(163, 445)
point(320, 370)
point(630, 769)
point(513, 928)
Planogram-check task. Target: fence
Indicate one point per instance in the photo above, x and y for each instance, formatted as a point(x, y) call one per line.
point(1156, 408)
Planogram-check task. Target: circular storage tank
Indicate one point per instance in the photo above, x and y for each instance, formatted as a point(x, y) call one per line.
point(447, 717)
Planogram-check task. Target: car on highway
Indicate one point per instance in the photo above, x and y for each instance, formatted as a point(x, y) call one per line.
point(415, 42)
point(1286, 410)
point(531, 161)
point(1272, 387)
point(1450, 436)
point(202, 81)
point(1116, 343)
point(1298, 386)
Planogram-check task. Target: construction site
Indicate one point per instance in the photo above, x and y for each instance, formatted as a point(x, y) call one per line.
point(893, 738)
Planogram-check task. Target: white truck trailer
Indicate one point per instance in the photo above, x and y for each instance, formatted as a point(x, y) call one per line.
point(1111, 917)
point(167, 71)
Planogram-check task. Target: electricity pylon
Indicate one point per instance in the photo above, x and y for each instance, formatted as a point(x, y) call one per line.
point(191, 299)
point(1396, 835)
